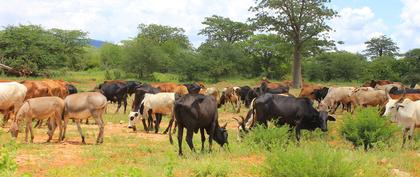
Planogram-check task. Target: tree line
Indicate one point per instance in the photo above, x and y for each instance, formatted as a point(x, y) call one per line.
point(268, 45)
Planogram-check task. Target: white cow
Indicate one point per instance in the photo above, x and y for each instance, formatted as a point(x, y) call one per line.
point(12, 95)
point(153, 104)
point(405, 113)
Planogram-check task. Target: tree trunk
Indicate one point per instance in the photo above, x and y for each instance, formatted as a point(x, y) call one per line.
point(297, 68)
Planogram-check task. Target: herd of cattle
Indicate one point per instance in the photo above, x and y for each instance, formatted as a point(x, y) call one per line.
point(194, 107)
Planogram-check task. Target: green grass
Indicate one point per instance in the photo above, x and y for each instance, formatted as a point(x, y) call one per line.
point(125, 153)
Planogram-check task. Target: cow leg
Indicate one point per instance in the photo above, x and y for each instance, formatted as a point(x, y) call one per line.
point(405, 130)
point(211, 134)
point(411, 133)
point(144, 124)
point(297, 129)
point(29, 124)
point(38, 124)
point(171, 121)
point(62, 136)
point(125, 104)
point(175, 124)
point(189, 139)
point(158, 120)
point(80, 131)
point(203, 139)
point(119, 106)
point(100, 123)
point(180, 134)
point(51, 128)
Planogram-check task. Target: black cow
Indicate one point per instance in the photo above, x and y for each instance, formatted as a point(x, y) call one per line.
point(71, 89)
point(132, 86)
point(198, 112)
point(243, 92)
point(115, 92)
point(320, 94)
point(254, 93)
point(141, 90)
point(395, 91)
point(193, 88)
point(296, 112)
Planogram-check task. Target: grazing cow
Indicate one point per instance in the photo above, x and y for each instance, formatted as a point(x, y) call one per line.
point(132, 86)
point(71, 89)
point(230, 95)
point(308, 91)
point(264, 88)
point(115, 91)
point(366, 96)
point(198, 112)
point(335, 97)
point(153, 104)
point(193, 88)
point(374, 83)
point(243, 91)
point(83, 106)
point(12, 95)
point(406, 113)
point(35, 89)
point(39, 108)
point(296, 112)
point(412, 94)
point(138, 99)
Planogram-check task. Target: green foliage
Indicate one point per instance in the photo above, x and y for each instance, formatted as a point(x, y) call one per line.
point(125, 171)
point(268, 138)
point(343, 66)
point(110, 55)
point(91, 58)
point(367, 128)
point(8, 165)
point(31, 48)
point(381, 46)
point(317, 160)
point(165, 77)
point(224, 29)
point(409, 67)
point(383, 68)
point(210, 168)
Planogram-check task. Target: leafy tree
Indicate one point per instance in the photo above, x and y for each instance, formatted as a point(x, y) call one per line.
point(409, 67)
point(73, 43)
point(380, 46)
point(300, 22)
point(269, 56)
point(335, 66)
point(383, 68)
point(91, 58)
point(110, 55)
point(224, 29)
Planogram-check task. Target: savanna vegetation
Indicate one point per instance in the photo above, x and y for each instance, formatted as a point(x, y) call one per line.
point(233, 54)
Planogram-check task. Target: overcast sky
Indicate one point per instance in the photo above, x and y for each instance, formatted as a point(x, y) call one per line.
point(116, 20)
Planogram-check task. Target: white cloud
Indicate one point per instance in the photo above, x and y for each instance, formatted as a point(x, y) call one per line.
point(115, 20)
point(354, 26)
point(408, 32)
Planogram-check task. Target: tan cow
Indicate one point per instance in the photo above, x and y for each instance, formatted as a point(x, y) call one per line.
point(40, 108)
point(12, 95)
point(56, 89)
point(82, 106)
point(336, 96)
point(368, 97)
point(35, 89)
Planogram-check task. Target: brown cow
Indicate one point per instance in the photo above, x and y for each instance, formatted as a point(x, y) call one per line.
point(56, 88)
point(366, 96)
point(230, 95)
point(373, 83)
point(171, 87)
point(308, 91)
point(35, 89)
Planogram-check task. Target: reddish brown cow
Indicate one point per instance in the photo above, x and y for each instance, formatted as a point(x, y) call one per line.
point(308, 91)
point(171, 87)
point(35, 89)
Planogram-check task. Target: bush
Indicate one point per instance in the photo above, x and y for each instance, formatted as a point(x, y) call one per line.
point(366, 128)
point(8, 165)
point(268, 138)
point(316, 160)
point(165, 77)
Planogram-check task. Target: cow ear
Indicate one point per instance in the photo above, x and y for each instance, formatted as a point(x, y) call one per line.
point(136, 114)
point(331, 118)
point(224, 125)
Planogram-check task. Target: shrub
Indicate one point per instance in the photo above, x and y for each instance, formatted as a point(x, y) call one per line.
point(268, 138)
point(8, 165)
point(210, 168)
point(165, 77)
point(366, 128)
point(316, 160)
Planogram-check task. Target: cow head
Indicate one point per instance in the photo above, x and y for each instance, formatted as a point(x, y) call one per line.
point(14, 129)
point(322, 120)
point(132, 118)
point(221, 135)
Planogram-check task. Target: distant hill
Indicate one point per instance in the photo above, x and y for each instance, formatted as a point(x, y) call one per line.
point(96, 43)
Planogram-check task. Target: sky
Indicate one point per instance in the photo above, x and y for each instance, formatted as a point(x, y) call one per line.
point(116, 20)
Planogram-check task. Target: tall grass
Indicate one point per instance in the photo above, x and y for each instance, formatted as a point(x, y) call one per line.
point(8, 165)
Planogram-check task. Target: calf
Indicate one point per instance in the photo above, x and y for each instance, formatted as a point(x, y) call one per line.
point(296, 112)
point(405, 112)
point(198, 112)
point(230, 95)
point(83, 106)
point(39, 108)
point(154, 104)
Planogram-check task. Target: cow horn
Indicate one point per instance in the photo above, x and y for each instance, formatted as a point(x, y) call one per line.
point(224, 125)
point(402, 97)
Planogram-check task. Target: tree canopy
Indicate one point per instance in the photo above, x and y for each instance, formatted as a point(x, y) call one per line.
point(224, 29)
point(381, 46)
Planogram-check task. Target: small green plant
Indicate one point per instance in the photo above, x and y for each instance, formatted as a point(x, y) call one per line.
point(316, 160)
point(268, 138)
point(108, 75)
point(366, 128)
point(210, 168)
point(8, 165)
